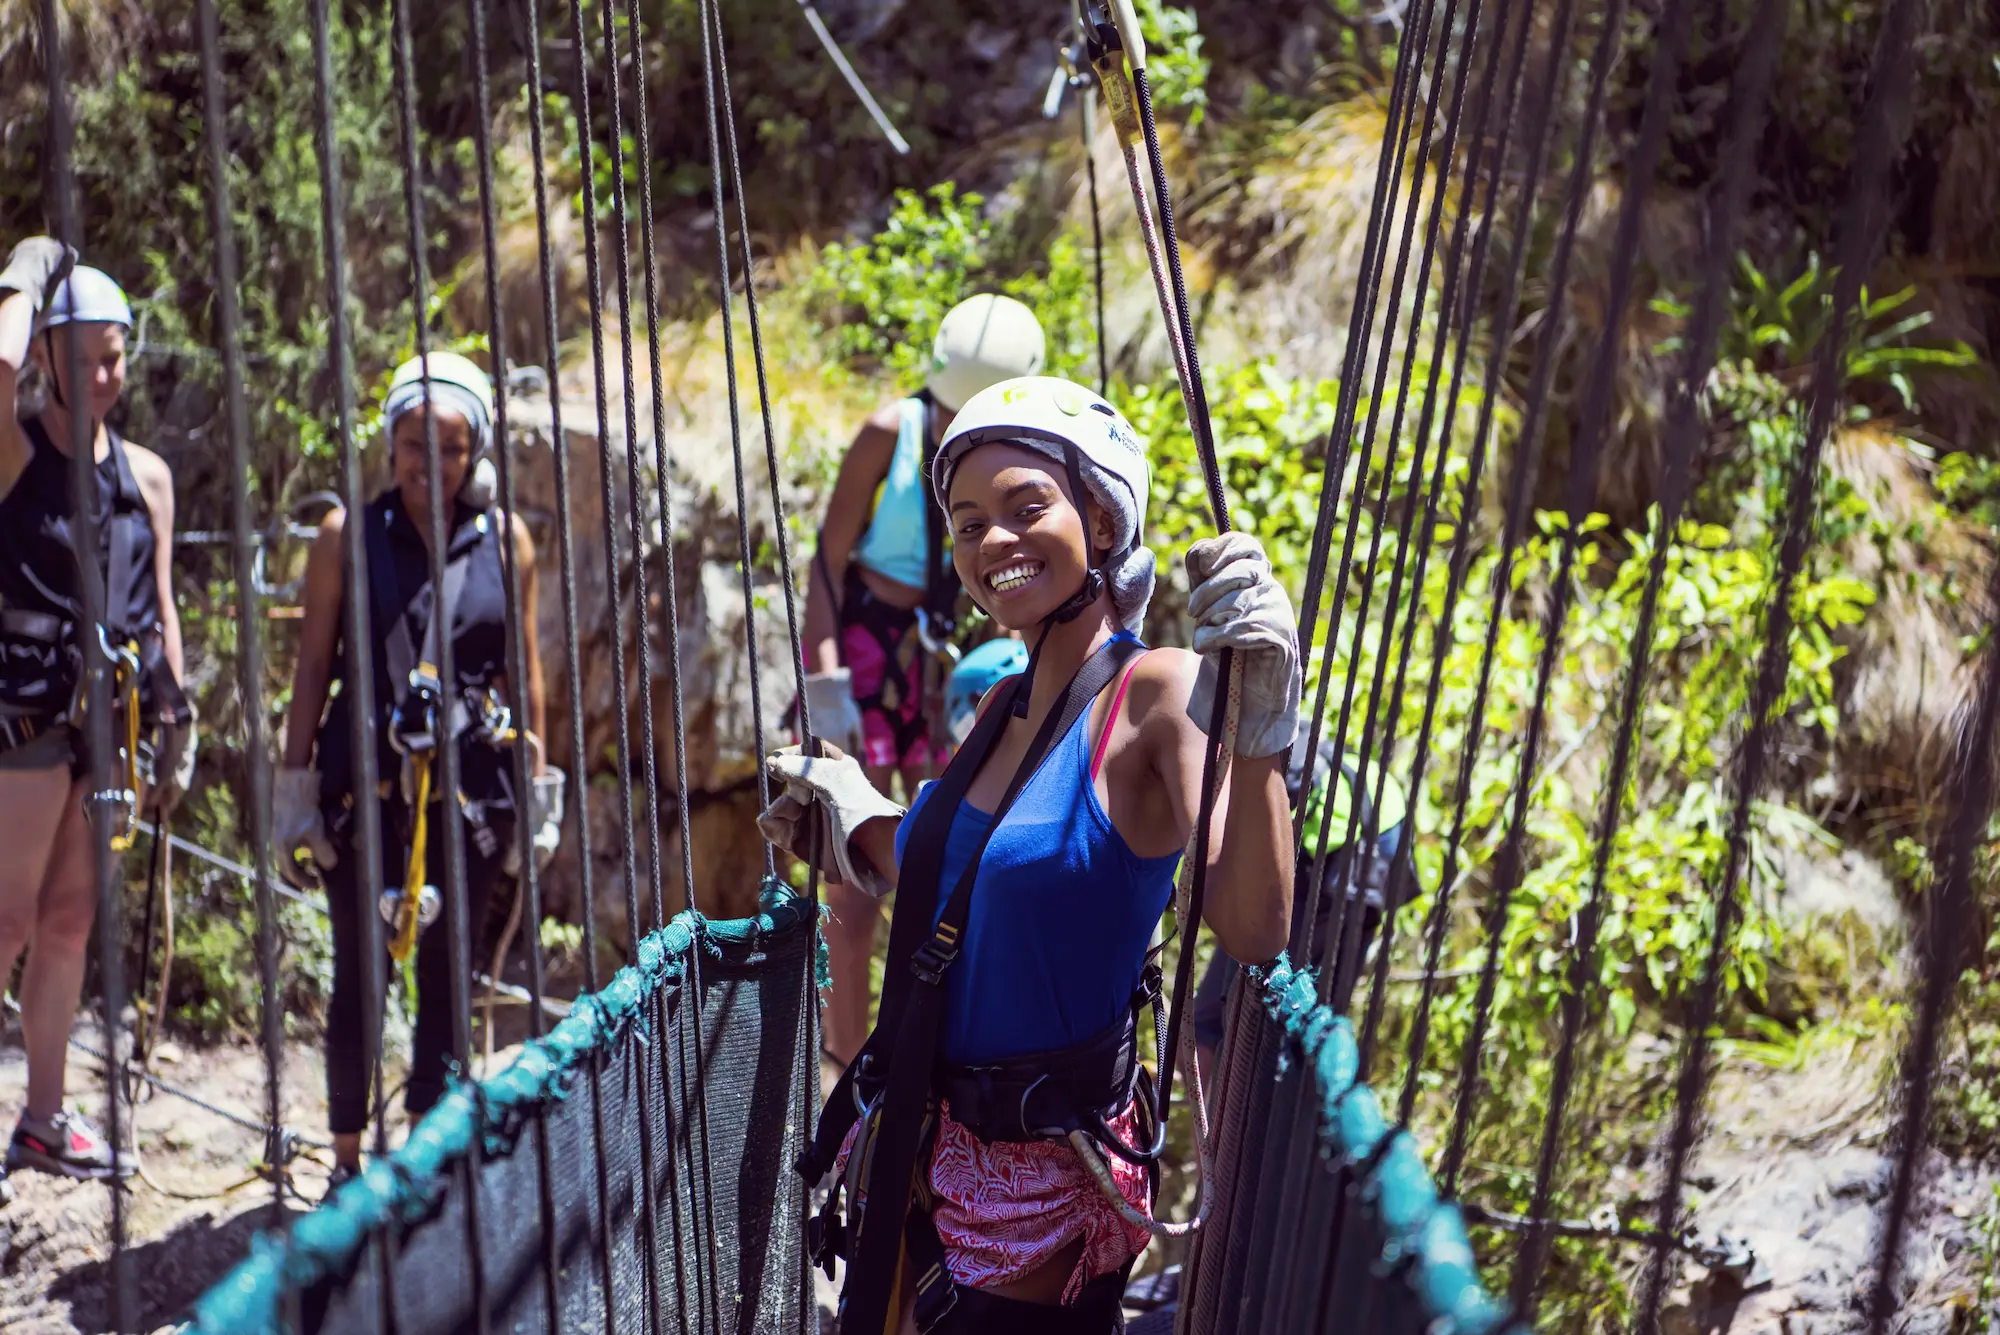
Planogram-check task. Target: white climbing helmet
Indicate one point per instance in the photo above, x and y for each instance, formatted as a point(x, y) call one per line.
point(88, 296)
point(1092, 442)
point(457, 384)
point(980, 342)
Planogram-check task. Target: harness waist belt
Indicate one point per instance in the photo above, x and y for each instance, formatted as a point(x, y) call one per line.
point(1042, 1095)
point(22, 623)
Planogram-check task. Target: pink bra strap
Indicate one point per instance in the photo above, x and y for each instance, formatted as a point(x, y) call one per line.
point(1111, 721)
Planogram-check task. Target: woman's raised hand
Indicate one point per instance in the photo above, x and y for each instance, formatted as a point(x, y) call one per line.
point(1237, 603)
point(826, 798)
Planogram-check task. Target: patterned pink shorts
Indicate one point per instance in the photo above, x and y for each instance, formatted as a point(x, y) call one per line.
point(1004, 1209)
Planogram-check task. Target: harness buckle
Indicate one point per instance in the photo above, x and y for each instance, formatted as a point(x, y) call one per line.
point(413, 727)
point(496, 719)
point(939, 648)
point(935, 955)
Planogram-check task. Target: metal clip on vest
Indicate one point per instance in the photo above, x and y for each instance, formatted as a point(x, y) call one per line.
point(413, 732)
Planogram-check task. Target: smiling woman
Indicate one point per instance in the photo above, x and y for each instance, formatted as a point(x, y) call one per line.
point(1030, 878)
point(48, 886)
point(442, 402)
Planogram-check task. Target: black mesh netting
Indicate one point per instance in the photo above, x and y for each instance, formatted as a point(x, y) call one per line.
point(721, 1248)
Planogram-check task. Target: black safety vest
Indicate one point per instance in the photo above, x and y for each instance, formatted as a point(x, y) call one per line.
point(41, 607)
point(400, 585)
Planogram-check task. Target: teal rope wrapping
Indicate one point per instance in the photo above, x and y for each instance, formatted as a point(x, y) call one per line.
point(249, 1300)
point(1420, 1227)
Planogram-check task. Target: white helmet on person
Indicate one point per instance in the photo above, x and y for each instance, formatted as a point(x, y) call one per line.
point(980, 342)
point(1101, 455)
point(88, 296)
point(454, 383)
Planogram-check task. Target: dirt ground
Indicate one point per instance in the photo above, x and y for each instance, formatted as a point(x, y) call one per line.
point(1797, 1165)
point(187, 1220)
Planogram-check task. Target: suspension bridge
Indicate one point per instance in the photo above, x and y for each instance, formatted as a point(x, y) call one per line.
point(632, 1168)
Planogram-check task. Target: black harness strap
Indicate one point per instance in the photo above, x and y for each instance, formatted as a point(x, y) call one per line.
point(912, 1010)
point(384, 591)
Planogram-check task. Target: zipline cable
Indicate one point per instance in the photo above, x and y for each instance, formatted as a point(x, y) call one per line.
point(847, 72)
point(250, 634)
point(598, 1219)
point(101, 807)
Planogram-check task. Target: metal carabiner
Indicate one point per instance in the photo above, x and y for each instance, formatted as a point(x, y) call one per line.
point(943, 650)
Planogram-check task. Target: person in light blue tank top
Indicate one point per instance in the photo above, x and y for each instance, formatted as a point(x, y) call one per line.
point(1045, 486)
point(874, 687)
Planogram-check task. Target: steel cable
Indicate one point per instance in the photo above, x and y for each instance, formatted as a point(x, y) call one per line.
point(635, 503)
point(102, 803)
point(447, 760)
point(599, 1220)
point(809, 1047)
point(250, 637)
point(528, 888)
point(669, 603)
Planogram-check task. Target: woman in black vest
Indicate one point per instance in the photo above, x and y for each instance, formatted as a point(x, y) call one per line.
point(48, 894)
point(315, 796)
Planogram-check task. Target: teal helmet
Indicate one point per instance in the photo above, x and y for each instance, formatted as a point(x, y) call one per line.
point(975, 675)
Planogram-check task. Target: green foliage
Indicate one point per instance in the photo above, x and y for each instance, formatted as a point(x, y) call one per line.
point(878, 303)
point(1175, 65)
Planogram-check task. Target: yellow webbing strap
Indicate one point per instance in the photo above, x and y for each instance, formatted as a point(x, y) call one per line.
point(413, 880)
point(125, 682)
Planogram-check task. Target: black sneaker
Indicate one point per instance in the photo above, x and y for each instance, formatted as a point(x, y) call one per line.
point(68, 1146)
point(341, 1175)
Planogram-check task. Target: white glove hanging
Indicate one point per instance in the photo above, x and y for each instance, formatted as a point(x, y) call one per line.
point(1237, 603)
point(297, 825)
point(831, 795)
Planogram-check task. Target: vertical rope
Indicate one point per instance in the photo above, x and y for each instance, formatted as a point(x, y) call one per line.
point(808, 1049)
point(670, 600)
point(1662, 85)
point(1462, 548)
point(250, 638)
point(1684, 428)
point(614, 99)
point(100, 805)
point(566, 548)
point(529, 887)
point(447, 758)
point(359, 681)
point(1086, 106)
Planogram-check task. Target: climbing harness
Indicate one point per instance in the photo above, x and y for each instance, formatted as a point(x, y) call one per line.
point(891, 1086)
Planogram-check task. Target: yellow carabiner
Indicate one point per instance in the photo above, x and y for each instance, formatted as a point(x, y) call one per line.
point(405, 940)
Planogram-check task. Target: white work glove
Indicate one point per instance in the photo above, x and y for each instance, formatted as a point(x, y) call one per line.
point(546, 795)
point(835, 715)
point(296, 824)
point(37, 264)
point(829, 796)
point(1237, 603)
point(166, 764)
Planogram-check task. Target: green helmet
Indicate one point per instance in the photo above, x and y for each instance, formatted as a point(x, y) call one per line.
point(1392, 804)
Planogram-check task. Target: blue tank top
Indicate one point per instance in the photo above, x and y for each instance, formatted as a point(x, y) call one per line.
point(894, 545)
point(1062, 914)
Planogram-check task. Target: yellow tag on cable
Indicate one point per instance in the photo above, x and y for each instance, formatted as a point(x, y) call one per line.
point(405, 941)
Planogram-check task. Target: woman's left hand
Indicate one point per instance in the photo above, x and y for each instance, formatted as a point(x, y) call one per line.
point(1237, 603)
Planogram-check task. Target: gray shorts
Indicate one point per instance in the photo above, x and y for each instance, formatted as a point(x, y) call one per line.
point(58, 748)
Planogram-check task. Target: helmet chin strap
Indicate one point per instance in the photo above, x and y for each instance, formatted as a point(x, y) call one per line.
point(1074, 606)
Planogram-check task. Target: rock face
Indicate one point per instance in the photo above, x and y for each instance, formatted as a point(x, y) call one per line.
point(724, 698)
